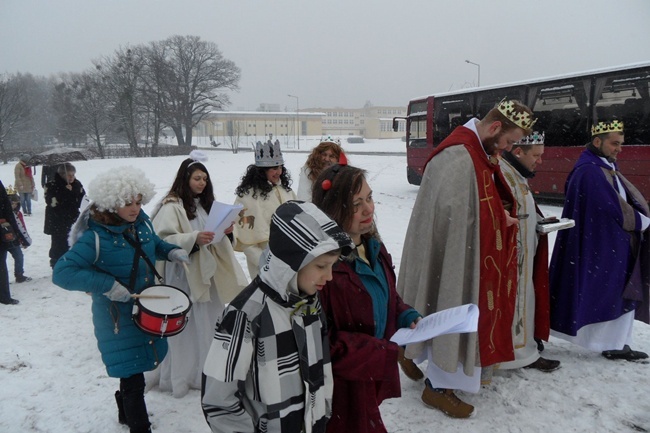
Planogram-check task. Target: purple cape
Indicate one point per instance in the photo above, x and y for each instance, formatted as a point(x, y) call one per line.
point(600, 269)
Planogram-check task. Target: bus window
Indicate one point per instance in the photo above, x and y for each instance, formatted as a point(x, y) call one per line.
point(418, 132)
point(561, 110)
point(626, 97)
point(448, 114)
point(487, 100)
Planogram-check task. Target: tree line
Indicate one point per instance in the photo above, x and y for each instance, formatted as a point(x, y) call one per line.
point(130, 96)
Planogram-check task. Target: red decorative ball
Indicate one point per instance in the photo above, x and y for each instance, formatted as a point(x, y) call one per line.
point(326, 185)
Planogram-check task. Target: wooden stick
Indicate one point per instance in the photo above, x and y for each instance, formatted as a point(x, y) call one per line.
point(187, 269)
point(150, 296)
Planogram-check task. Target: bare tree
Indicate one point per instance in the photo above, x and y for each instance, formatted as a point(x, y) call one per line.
point(121, 78)
point(14, 108)
point(83, 100)
point(67, 108)
point(40, 128)
point(154, 97)
point(195, 75)
point(234, 131)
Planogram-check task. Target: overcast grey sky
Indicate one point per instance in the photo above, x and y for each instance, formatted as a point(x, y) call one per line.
point(339, 52)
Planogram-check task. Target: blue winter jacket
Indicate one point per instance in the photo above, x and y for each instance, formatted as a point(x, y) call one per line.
point(125, 349)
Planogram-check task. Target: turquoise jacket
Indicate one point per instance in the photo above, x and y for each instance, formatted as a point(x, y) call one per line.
point(125, 349)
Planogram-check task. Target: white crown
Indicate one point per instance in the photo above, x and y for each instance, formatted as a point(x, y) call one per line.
point(534, 138)
point(268, 154)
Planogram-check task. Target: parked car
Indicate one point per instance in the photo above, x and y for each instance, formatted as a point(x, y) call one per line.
point(355, 139)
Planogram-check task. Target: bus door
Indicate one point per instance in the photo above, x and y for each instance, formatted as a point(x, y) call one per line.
point(418, 147)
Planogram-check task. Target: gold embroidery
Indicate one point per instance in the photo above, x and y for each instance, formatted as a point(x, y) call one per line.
point(494, 324)
point(487, 179)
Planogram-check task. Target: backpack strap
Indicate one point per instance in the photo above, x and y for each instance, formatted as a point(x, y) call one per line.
point(96, 247)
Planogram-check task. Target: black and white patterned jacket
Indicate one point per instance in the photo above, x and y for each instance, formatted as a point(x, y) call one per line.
point(268, 369)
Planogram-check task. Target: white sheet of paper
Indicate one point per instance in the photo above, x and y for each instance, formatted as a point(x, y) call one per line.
point(450, 321)
point(221, 216)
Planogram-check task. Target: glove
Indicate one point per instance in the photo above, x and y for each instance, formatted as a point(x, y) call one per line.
point(118, 293)
point(178, 255)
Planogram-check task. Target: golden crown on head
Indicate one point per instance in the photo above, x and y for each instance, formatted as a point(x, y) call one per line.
point(11, 190)
point(607, 127)
point(520, 118)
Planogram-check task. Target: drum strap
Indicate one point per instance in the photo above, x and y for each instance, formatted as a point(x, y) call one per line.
point(137, 246)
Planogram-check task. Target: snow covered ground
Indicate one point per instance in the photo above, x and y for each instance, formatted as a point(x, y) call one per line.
point(52, 378)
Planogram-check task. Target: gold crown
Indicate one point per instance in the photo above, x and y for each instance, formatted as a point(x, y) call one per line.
point(534, 138)
point(11, 190)
point(520, 118)
point(607, 127)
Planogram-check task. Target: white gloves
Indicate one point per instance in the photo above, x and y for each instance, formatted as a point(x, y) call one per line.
point(178, 255)
point(118, 293)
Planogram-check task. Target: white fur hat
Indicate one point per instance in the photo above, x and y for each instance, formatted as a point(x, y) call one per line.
point(115, 188)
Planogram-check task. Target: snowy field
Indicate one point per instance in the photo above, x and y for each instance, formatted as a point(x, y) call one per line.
point(52, 379)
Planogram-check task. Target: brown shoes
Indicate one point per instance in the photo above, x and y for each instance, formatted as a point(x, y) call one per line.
point(409, 368)
point(446, 401)
point(545, 365)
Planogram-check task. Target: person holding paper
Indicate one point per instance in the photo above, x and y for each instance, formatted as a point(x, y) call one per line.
point(211, 279)
point(599, 272)
point(531, 320)
point(265, 186)
point(461, 247)
point(362, 307)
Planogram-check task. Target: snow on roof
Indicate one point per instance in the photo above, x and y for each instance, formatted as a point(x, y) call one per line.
point(538, 80)
point(266, 113)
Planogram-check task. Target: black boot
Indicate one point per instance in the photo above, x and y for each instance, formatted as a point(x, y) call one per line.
point(121, 416)
point(135, 409)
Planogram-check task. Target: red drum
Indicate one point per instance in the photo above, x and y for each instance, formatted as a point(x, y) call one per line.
point(161, 311)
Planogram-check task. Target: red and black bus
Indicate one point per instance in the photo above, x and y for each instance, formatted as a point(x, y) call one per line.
point(566, 107)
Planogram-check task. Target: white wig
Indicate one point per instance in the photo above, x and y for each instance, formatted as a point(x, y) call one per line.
point(115, 188)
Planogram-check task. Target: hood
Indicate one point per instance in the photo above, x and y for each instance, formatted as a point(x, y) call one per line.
point(299, 233)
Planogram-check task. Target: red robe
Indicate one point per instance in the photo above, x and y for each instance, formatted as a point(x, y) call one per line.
point(498, 251)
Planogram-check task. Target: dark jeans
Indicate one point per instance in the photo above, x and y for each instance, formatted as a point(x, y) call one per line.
point(135, 409)
point(5, 294)
point(59, 247)
point(19, 260)
point(26, 202)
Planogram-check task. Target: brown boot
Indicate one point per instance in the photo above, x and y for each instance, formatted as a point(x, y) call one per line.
point(446, 401)
point(409, 368)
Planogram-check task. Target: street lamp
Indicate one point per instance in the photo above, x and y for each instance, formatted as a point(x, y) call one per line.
point(479, 72)
point(297, 118)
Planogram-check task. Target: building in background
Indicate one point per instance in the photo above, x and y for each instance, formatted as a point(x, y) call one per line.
point(367, 122)
point(245, 128)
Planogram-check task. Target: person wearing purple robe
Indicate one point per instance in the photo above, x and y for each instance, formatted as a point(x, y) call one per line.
point(600, 269)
